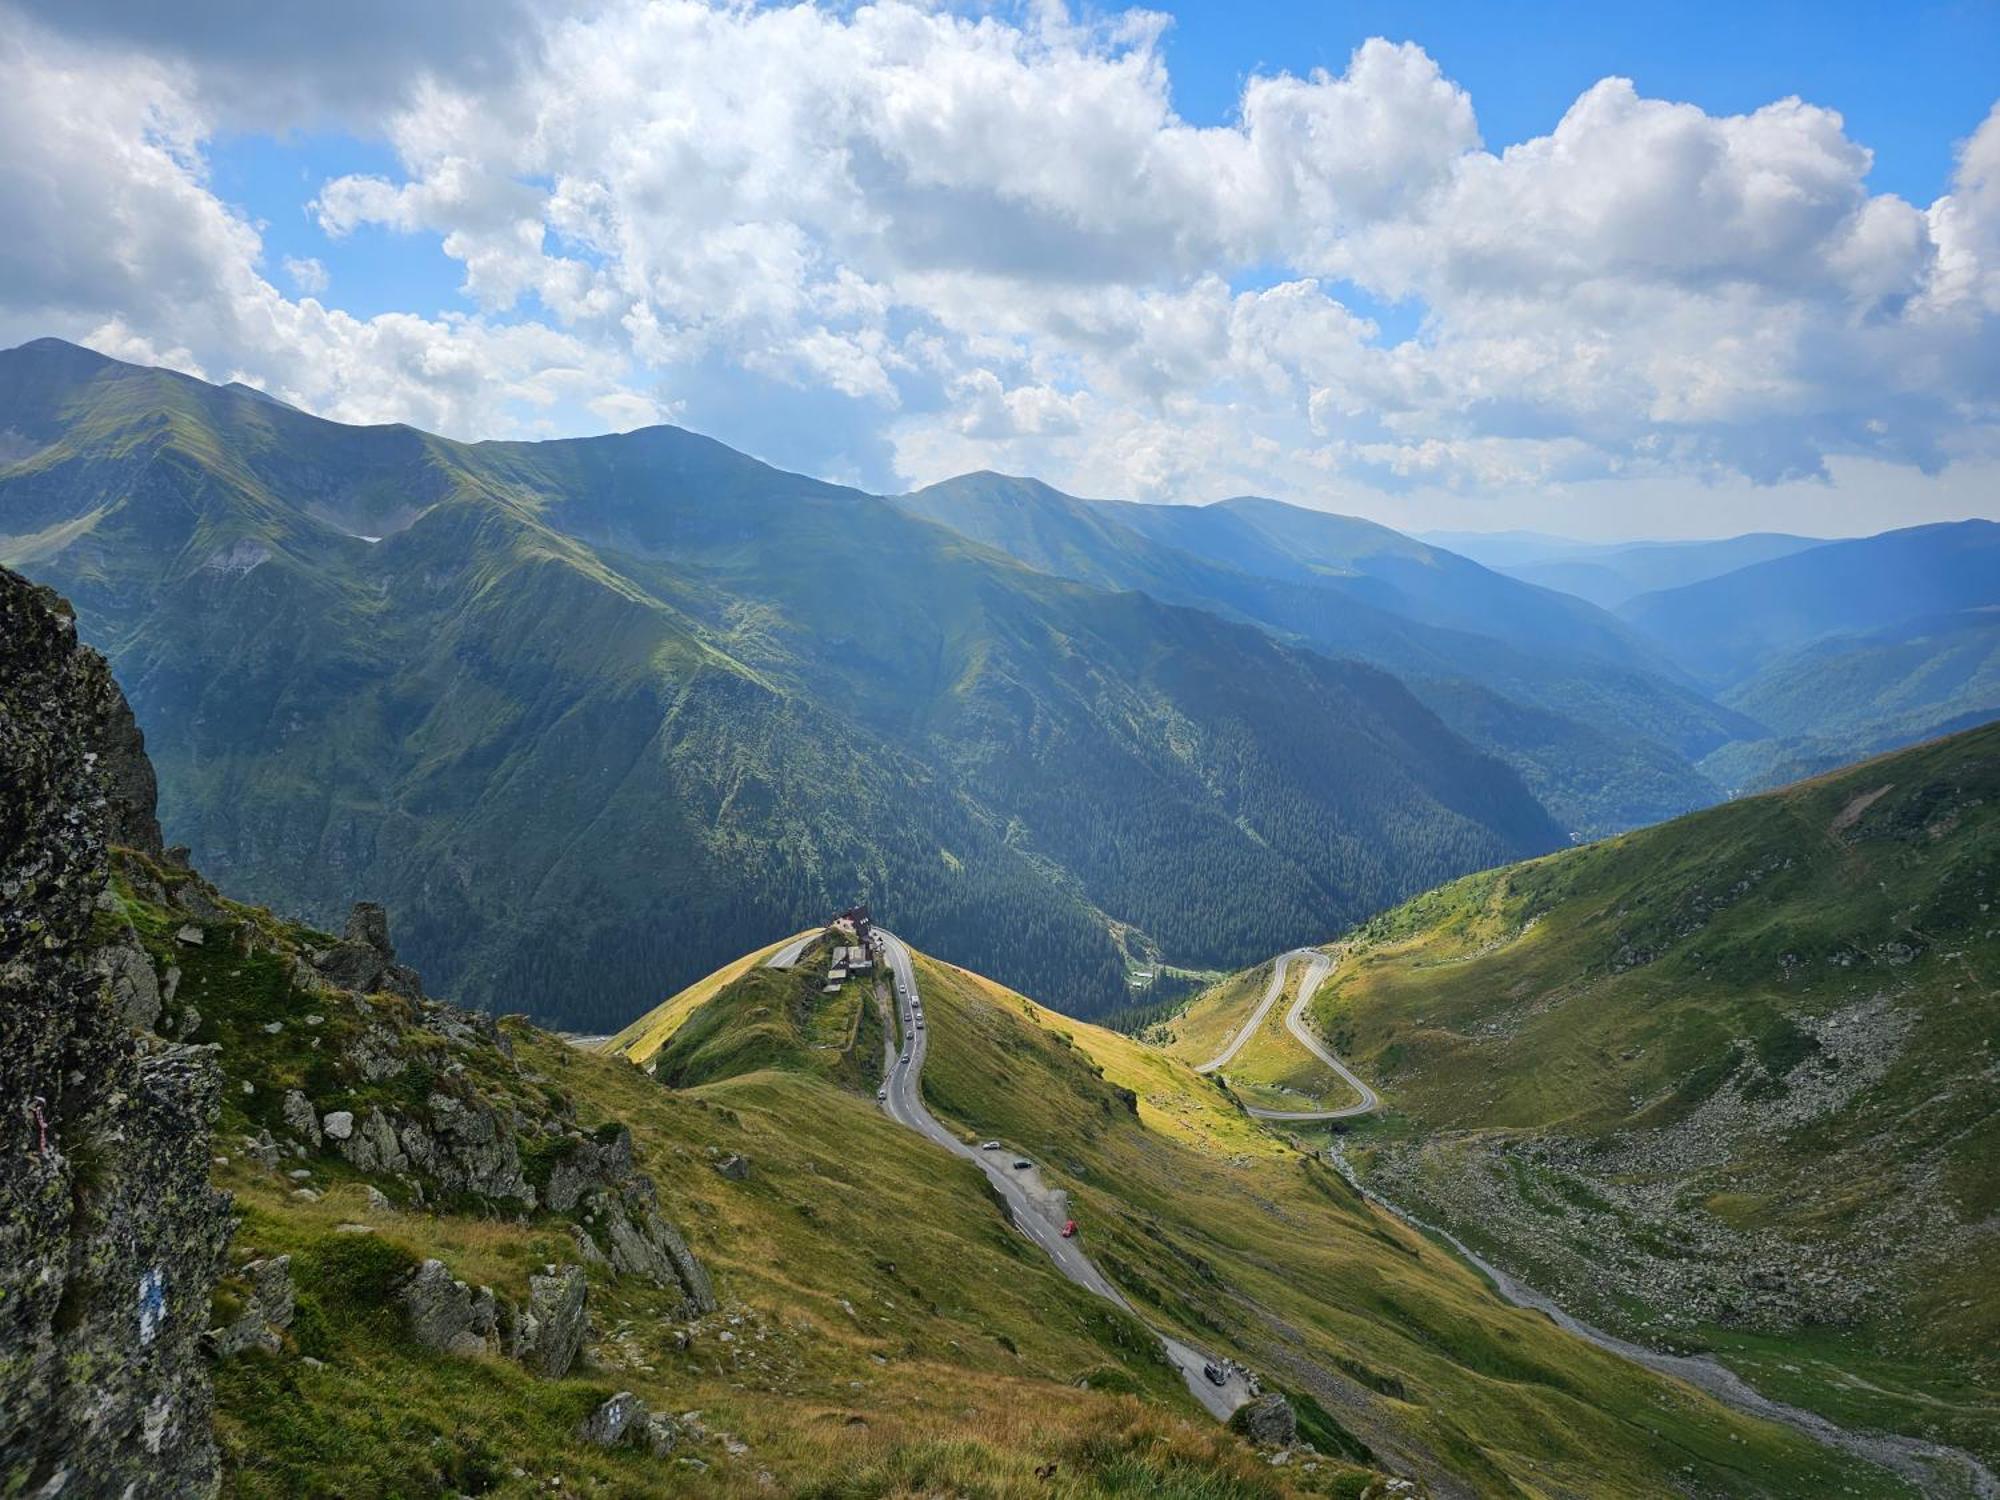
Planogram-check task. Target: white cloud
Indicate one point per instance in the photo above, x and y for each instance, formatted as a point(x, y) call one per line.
point(307, 274)
point(117, 240)
point(991, 242)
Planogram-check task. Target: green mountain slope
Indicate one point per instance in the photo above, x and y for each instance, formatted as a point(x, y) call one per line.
point(590, 716)
point(1592, 717)
point(1727, 1083)
point(1849, 696)
point(1233, 1239)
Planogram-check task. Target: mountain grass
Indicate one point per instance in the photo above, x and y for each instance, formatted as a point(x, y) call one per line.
point(1753, 1042)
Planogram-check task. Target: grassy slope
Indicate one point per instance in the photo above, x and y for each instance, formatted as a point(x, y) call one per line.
point(1272, 1071)
point(882, 1331)
point(1230, 1235)
point(638, 1041)
point(1659, 1019)
point(887, 1332)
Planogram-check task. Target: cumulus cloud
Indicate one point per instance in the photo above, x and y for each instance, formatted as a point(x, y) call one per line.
point(306, 273)
point(990, 241)
point(118, 240)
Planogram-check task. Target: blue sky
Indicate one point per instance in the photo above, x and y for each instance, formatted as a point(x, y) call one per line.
point(1911, 79)
point(890, 243)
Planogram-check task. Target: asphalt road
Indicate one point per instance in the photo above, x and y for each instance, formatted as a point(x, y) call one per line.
point(788, 955)
point(1318, 967)
point(1271, 994)
point(905, 1105)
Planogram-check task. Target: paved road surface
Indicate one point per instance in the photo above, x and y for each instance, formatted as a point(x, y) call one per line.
point(1295, 1022)
point(1318, 966)
point(1277, 988)
point(905, 1105)
point(788, 955)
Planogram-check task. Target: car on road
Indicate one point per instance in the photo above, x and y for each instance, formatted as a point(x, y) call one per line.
point(906, 1059)
point(1022, 1164)
point(989, 1145)
point(1214, 1374)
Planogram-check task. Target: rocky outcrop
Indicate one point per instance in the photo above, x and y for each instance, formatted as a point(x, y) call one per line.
point(1267, 1421)
point(266, 1309)
point(547, 1334)
point(111, 1238)
point(364, 960)
point(448, 1315)
point(597, 1179)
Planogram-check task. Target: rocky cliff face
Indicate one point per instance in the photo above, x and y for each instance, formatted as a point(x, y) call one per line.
point(111, 1238)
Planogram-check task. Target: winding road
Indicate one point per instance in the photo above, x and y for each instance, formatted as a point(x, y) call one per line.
point(905, 1105)
point(1318, 966)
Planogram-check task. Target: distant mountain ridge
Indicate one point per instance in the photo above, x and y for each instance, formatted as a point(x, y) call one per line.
point(1595, 718)
point(1843, 650)
point(1612, 576)
point(592, 714)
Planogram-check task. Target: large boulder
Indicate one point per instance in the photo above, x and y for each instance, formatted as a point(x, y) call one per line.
point(301, 1118)
point(1267, 1421)
point(548, 1333)
point(622, 1415)
point(448, 1315)
point(364, 959)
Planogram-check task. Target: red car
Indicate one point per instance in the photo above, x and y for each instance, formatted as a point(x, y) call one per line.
point(1069, 1229)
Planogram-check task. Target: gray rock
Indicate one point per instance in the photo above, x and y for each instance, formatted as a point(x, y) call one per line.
point(135, 989)
point(105, 1274)
point(301, 1118)
point(446, 1314)
point(377, 1054)
point(262, 1147)
point(735, 1167)
point(375, 1145)
point(267, 1311)
point(191, 935)
point(548, 1332)
point(1266, 1421)
point(338, 1124)
point(364, 960)
point(608, 1425)
point(661, 1434)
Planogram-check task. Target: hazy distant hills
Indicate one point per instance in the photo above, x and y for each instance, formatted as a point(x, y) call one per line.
point(1843, 649)
point(593, 715)
point(1599, 722)
point(1612, 576)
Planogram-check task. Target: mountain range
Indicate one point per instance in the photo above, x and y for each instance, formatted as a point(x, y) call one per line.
point(593, 714)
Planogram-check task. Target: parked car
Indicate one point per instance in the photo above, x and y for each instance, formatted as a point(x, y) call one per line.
point(1069, 1229)
point(881, 1093)
point(1022, 1164)
point(1214, 1374)
point(989, 1145)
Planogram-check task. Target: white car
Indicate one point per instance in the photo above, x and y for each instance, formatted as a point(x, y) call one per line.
point(881, 1093)
point(989, 1145)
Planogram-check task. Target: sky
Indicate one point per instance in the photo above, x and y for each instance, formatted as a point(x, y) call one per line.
point(1607, 271)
